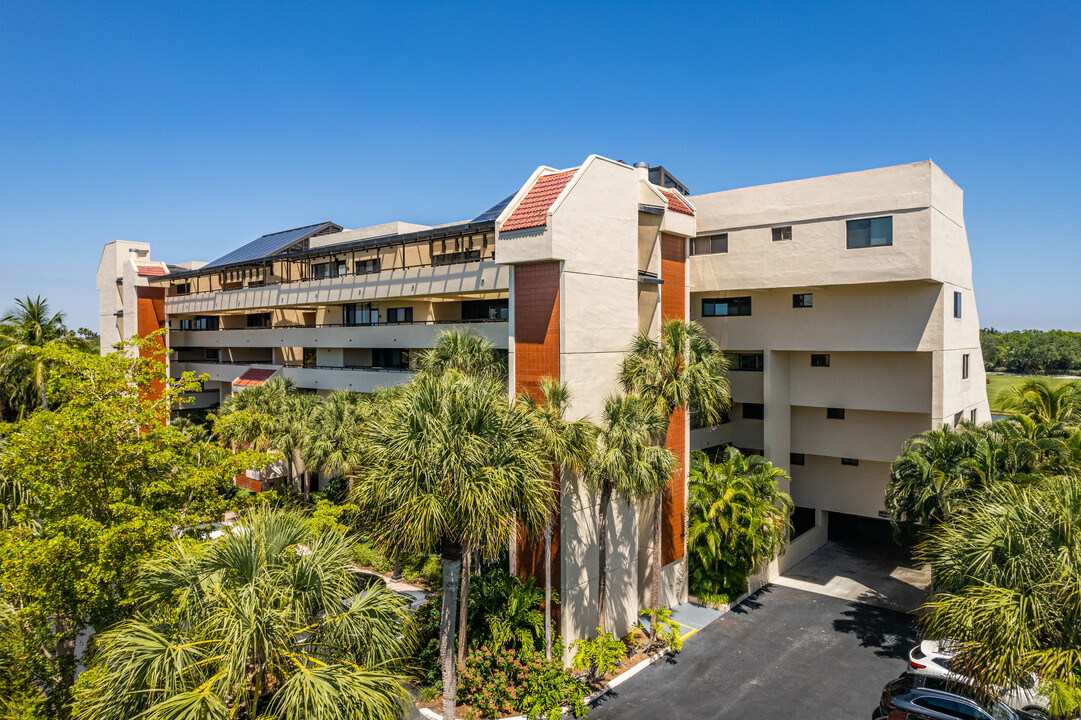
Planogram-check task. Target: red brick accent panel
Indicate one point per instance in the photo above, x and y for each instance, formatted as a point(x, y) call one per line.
point(674, 306)
point(150, 306)
point(243, 481)
point(536, 355)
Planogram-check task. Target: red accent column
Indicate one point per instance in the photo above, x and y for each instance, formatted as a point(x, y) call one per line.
point(536, 355)
point(150, 309)
point(674, 306)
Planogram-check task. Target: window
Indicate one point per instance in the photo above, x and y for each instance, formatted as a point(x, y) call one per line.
point(820, 360)
point(747, 361)
point(183, 289)
point(872, 232)
point(964, 366)
point(802, 300)
point(310, 358)
point(835, 413)
point(333, 269)
point(854, 462)
point(754, 411)
point(390, 358)
point(710, 244)
point(803, 520)
point(259, 320)
point(782, 233)
point(474, 310)
point(355, 314)
point(200, 322)
point(972, 417)
point(726, 307)
point(952, 708)
point(400, 315)
point(957, 304)
point(212, 354)
point(797, 459)
point(367, 267)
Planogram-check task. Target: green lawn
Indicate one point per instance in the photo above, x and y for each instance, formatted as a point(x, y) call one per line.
point(999, 384)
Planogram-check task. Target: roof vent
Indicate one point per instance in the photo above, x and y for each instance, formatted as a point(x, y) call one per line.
point(642, 165)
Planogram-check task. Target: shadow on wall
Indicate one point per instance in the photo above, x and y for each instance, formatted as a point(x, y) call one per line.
point(890, 632)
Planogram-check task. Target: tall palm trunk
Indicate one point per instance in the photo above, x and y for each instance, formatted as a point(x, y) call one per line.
point(548, 567)
point(463, 605)
point(44, 400)
point(452, 569)
point(602, 555)
point(658, 505)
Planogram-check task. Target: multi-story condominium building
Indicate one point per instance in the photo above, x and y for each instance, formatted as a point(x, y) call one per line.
point(845, 303)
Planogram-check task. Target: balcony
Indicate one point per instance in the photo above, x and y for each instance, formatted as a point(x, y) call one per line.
point(419, 334)
point(320, 377)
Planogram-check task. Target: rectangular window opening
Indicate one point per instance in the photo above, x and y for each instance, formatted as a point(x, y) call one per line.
point(780, 234)
point(754, 411)
point(797, 459)
point(820, 360)
point(726, 307)
point(850, 461)
point(803, 300)
point(957, 304)
point(748, 362)
point(835, 413)
point(872, 232)
point(710, 244)
point(964, 366)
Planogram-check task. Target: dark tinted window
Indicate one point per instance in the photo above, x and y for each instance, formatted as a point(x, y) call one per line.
point(796, 459)
point(754, 411)
point(710, 244)
point(473, 310)
point(400, 315)
point(835, 413)
point(747, 361)
point(726, 307)
point(870, 233)
point(782, 233)
point(803, 300)
point(820, 360)
point(957, 304)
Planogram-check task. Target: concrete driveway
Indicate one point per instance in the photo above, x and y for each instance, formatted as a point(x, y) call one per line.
point(823, 651)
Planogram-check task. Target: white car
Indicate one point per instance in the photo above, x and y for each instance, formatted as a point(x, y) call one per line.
point(932, 657)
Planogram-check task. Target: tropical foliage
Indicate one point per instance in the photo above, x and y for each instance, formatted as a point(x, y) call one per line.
point(567, 445)
point(684, 370)
point(738, 519)
point(451, 466)
point(498, 683)
point(1032, 352)
point(997, 510)
point(24, 330)
point(88, 490)
point(627, 465)
point(264, 622)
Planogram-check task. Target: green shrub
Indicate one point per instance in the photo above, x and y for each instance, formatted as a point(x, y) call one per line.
point(598, 656)
point(503, 682)
point(669, 632)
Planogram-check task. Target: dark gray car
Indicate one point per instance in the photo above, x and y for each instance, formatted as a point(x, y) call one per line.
point(934, 698)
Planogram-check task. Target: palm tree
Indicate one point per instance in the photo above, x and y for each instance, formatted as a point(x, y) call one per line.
point(260, 623)
point(23, 328)
point(1008, 587)
point(272, 416)
point(684, 370)
point(332, 439)
point(738, 519)
point(626, 465)
point(452, 467)
point(1045, 401)
point(567, 446)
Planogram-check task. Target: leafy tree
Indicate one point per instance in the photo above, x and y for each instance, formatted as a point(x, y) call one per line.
point(1046, 402)
point(568, 445)
point(91, 489)
point(684, 370)
point(739, 518)
point(1008, 587)
point(627, 465)
point(260, 623)
point(451, 465)
point(24, 329)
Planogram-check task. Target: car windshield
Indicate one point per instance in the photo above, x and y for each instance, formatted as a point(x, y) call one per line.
point(1000, 712)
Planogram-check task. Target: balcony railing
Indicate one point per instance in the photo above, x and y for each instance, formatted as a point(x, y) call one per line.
point(338, 325)
point(366, 368)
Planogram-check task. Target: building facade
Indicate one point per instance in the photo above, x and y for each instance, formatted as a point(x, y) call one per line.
point(845, 303)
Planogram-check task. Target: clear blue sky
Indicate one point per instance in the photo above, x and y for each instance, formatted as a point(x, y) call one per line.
point(200, 126)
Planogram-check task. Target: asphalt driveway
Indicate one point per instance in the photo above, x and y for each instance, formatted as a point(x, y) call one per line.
point(782, 653)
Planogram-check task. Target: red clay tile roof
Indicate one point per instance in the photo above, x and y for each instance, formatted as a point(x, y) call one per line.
point(533, 210)
point(253, 377)
point(155, 270)
point(675, 202)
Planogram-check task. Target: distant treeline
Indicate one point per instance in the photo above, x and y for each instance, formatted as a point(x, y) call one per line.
point(1032, 352)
